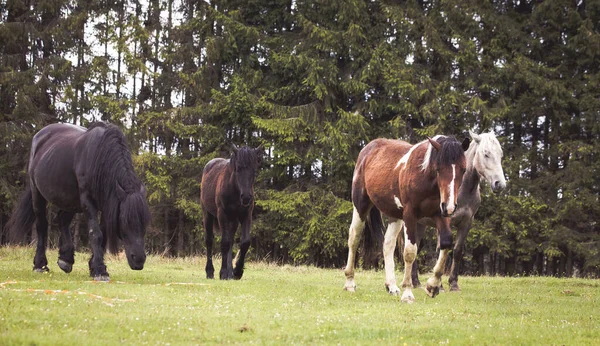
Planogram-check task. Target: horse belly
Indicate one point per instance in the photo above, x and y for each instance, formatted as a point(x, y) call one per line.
point(57, 183)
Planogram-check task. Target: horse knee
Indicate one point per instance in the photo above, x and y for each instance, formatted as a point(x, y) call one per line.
point(445, 241)
point(410, 253)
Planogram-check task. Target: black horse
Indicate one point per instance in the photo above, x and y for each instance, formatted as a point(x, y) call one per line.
point(227, 197)
point(91, 171)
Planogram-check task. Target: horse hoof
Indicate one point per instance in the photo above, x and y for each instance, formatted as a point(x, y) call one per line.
point(393, 290)
point(102, 278)
point(350, 288)
point(407, 298)
point(417, 284)
point(66, 267)
point(454, 288)
point(432, 291)
point(210, 276)
point(43, 269)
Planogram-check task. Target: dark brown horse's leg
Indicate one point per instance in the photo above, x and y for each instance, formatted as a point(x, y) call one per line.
point(420, 234)
point(40, 262)
point(457, 253)
point(66, 252)
point(445, 241)
point(238, 271)
point(228, 229)
point(96, 263)
point(208, 239)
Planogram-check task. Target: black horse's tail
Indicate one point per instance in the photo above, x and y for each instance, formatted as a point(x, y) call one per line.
point(373, 240)
point(22, 219)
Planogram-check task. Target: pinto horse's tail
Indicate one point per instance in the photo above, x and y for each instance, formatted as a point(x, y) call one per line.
point(22, 219)
point(373, 240)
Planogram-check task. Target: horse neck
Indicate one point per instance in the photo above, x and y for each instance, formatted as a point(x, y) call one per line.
point(471, 178)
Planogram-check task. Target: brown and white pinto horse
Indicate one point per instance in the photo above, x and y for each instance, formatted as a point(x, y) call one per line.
point(406, 183)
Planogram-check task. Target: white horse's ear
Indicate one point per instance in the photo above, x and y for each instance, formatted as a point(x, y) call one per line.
point(476, 137)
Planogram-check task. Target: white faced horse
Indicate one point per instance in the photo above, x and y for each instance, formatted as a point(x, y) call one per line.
point(484, 158)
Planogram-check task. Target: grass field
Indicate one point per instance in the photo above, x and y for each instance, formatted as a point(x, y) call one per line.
point(171, 302)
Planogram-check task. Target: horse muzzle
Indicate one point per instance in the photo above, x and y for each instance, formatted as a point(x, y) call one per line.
point(448, 211)
point(246, 200)
point(136, 262)
point(498, 186)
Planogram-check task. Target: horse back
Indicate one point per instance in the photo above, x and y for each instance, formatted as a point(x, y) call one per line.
point(376, 175)
point(51, 164)
point(212, 176)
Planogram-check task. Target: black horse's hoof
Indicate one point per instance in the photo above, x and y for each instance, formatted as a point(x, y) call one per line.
point(237, 274)
point(43, 269)
point(210, 276)
point(454, 287)
point(66, 267)
point(432, 291)
point(102, 278)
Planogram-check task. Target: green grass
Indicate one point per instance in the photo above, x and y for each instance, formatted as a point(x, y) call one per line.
point(171, 302)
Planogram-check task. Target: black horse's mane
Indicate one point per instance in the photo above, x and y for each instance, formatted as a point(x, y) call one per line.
point(451, 151)
point(114, 184)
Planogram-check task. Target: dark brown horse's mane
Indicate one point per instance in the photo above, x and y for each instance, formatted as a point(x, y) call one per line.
point(114, 185)
point(245, 157)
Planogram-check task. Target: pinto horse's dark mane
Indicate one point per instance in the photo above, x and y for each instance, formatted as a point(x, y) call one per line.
point(112, 169)
point(451, 151)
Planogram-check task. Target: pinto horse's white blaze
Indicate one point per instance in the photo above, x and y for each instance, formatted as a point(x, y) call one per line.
point(410, 253)
point(389, 245)
point(451, 205)
point(398, 203)
point(356, 228)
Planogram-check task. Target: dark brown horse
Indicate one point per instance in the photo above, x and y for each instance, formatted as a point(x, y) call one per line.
point(227, 199)
point(91, 171)
point(406, 183)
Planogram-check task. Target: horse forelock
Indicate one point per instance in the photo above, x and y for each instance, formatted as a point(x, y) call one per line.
point(450, 152)
point(245, 158)
point(489, 143)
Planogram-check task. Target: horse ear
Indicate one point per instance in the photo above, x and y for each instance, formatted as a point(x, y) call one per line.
point(259, 151)
point(476, 137)
point(234, 148)
point(436, 145)
point(465, 144)
point(143, 190)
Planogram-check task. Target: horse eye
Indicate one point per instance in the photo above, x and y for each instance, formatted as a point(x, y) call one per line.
point(487, 156)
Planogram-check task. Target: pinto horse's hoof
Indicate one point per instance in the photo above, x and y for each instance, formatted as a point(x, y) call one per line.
point(102, 278)
point(43, 269)
point(454, 288)
point(432, 291)
point(350, 288)
point(393, 290)
point(66, 267)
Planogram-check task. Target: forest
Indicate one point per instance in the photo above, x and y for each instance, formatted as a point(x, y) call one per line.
point(313, 81)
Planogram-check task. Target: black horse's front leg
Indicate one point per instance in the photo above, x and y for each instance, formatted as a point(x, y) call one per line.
point(238, 271)
point(96, 263)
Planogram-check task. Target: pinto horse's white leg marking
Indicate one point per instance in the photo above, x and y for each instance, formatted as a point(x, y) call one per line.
point(434, 282)
point(356, 228)
point(398, 203)
point(410, 253)
point(389, 245)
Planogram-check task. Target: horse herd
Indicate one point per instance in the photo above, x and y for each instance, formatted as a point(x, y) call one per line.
point(434, 182)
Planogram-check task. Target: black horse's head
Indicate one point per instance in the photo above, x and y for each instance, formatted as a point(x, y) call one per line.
point(245, 162)
point(134, 217)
